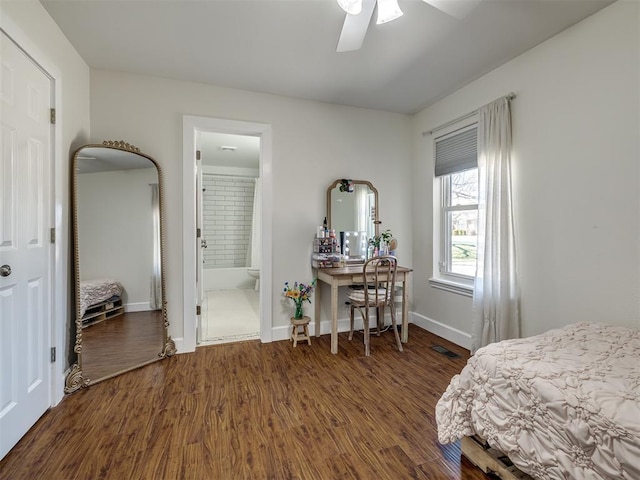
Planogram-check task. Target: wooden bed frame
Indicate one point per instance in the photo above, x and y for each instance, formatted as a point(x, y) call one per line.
point(490, 460)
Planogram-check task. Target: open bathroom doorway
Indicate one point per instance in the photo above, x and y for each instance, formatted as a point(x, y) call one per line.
point(230, 229)
point(194, 129)
point(230, 232)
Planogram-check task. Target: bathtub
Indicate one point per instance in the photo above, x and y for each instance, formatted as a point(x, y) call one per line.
point(227, 278)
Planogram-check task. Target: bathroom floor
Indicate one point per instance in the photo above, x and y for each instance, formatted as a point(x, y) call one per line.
point(230, 316)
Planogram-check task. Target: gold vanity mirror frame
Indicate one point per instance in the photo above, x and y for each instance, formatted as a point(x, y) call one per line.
point(77, 377)
point(335, 186)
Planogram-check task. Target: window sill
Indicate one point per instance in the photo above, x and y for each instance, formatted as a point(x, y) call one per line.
point(453, 287)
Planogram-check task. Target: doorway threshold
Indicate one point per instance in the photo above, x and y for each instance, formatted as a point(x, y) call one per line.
point(230, 339)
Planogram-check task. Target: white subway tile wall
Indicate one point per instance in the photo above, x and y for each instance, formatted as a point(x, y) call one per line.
point(227, 212)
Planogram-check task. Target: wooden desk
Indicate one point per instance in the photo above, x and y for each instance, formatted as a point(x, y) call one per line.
point(339, 277)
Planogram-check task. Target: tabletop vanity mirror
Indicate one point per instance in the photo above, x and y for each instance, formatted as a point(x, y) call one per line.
point(120, 309)
point(352, 211)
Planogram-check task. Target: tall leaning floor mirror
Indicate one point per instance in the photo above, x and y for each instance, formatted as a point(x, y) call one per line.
point(120, 308)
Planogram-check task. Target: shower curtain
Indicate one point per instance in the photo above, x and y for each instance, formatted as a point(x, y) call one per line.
point(254, 252)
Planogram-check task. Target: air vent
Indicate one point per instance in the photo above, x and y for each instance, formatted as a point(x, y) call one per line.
point(445, 351)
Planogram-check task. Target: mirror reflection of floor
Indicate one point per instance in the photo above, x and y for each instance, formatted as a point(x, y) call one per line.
point(121, 343)
point(230, 316)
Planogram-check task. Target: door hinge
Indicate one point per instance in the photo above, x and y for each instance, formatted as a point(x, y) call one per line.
point(53, 354)
point(53, 234)
point(53, 116)
point(198, 154)
point(198, 310)
point(198, 232)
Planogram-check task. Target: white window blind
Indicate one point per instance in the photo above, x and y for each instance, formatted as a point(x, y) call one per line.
point(457, 151)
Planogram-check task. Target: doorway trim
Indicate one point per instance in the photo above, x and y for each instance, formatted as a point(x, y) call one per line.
point(59, 216)
point(191, 126)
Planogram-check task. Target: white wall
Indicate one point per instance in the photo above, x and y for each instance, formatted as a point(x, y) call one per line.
point(576, 126)
point(29, 24)
point(115, 229)
point(313, 144)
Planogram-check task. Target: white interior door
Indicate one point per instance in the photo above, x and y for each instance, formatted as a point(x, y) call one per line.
point(202, 244)
point(25, 246)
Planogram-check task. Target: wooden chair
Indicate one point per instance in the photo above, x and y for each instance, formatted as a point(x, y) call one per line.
point(379, 278)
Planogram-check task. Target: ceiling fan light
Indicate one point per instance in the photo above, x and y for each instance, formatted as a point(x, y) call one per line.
point(352, 7)
point(388, 10)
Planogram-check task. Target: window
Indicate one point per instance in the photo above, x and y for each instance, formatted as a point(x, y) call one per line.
point(456, 214)
point(459, 238)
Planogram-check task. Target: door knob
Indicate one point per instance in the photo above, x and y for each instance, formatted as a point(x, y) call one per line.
point(5, 270)
point(203, 243)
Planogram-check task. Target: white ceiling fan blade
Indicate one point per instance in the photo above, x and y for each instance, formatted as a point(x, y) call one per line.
point(355, 28)
point(388, 10)
point(455, 8)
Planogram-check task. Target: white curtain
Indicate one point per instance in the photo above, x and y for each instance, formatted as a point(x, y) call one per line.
point(155, 301)
point(254, 259)
point(496, 314)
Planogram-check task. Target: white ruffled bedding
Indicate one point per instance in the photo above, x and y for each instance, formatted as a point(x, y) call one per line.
point(561, 405)
point(96, 291)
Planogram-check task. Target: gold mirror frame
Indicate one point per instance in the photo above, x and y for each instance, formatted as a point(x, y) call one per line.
point(76, 379)
point(344, 182)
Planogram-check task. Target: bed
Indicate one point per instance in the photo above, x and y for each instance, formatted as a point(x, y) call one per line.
point(96, 291)
point(561, 405)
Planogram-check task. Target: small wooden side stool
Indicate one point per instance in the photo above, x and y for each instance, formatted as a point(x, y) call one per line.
point(296, 333)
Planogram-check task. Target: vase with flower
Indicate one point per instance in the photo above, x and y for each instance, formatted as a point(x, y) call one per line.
point(299, 293)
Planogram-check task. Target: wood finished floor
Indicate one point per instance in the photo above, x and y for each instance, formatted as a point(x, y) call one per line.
point(256, 411)
point(120, 343)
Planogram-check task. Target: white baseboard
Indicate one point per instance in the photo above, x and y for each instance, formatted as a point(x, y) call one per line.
point(445, 331)
point(137, 307)
point(179, 343)
point(58, 393)
point(284, 332)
